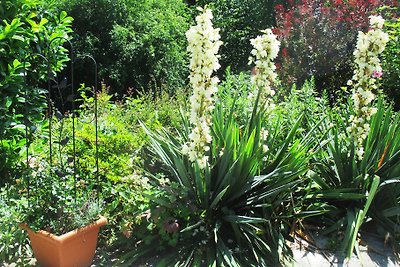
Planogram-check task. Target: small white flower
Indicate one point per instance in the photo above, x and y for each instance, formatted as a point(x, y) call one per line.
point(221, 152)
point(265, 148)
point(376, 21)
point(360, 153)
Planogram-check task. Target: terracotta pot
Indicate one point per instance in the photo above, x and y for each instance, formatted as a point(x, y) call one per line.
point(73, 249)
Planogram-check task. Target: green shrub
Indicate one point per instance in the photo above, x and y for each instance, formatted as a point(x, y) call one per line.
point(13, 241)
point(122, 153)
point(137, 44)
point(140, 210)
point(239, 21)
point(59, 202)
point(26, 30)
point(391, 62)
point(304, 100)
point(235, 89)
point(59, 198)
point(122, 142)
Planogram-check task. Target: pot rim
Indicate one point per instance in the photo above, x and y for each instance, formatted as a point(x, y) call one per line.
point(65, 237)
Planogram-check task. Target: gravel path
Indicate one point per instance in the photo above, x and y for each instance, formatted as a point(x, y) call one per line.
point(373, 253)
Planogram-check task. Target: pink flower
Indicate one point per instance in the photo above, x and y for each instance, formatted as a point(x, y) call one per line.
point(127, 233)
point(279, 8)
point(254, 71)
point(377, 74)
point(284, 52)
point(171, 225)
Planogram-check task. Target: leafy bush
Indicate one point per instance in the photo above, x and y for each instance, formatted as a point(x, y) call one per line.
point(240, 21)
point(26, 30)
point(60, 204)
point(234, 90)
point(318, 39)
point(305, 101)
point(13, 241)
point(122, 142)
point(391, 61)
point(59, 199)
point(143, 209)
point(122, 153)
point(141, 45)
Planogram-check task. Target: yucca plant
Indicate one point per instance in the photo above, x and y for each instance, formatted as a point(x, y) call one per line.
point(234, 174)
point(356, 190)
point(243, 206)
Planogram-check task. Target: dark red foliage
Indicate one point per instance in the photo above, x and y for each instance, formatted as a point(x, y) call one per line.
point(318, 37)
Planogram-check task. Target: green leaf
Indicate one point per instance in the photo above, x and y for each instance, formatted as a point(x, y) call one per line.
point(16, 63)
point(243, 219)
point(43, 21)
point(359, 218)
point(218, 198)
point(17, 37)
point(8, 102)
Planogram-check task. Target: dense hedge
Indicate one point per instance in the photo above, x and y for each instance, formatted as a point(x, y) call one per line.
point(137, 44)
point(240, 21)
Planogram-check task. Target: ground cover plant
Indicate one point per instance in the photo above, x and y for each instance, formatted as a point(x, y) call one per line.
point(12, 239)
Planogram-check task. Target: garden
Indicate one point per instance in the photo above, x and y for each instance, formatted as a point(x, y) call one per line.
point(197, 133)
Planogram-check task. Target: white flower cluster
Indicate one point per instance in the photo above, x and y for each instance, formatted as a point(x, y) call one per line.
point(364, 80)
point(265, 50)
point(203, 46)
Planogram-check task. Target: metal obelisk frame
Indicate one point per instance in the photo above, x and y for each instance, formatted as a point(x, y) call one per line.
point(60, 111)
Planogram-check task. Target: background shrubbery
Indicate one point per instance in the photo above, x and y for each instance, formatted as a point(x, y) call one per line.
point(137, 44)
point(391, 62)
point(318, 39)
point(240, 21)
point(142, 45)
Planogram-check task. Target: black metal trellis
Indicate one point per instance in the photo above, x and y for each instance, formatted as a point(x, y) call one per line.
point(53, 111)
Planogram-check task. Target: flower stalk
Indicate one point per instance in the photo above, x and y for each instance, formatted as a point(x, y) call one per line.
point(364, 81)
point(203, 45)
point(265, 50)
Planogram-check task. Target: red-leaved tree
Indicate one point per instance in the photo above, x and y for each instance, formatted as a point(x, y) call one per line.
point(318, 38)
